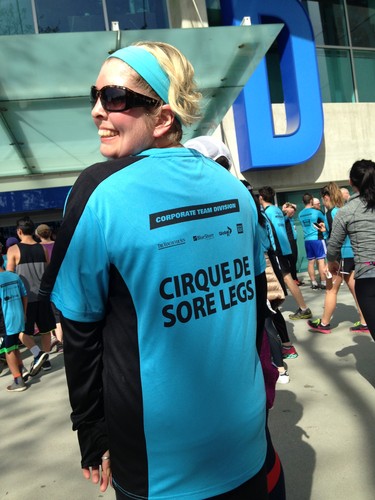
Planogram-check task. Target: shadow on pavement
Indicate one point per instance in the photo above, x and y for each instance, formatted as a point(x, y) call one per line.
point(297, 456)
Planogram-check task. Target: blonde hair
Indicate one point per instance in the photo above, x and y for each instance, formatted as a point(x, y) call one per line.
point(334, 193)
point(288, 204)
point(183, 95)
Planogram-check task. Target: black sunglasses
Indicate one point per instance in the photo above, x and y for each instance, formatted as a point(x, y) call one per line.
point(116, 99)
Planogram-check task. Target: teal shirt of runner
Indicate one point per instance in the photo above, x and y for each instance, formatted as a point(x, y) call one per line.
point(11, 292)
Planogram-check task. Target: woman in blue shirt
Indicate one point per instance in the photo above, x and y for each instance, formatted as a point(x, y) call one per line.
point(155, 271)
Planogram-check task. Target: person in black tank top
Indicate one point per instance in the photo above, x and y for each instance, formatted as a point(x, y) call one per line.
point(29, 260)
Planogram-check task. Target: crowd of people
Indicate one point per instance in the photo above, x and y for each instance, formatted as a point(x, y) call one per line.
point(23, 315)
point(174, 340)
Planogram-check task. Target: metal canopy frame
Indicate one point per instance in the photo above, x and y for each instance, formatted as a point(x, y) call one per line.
point(45, 122)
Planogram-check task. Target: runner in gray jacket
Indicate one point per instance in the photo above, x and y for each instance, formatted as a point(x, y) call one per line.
point(357, 219)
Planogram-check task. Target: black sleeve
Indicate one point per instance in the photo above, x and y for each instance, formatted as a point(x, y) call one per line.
point(83, 365)
point(261, 297)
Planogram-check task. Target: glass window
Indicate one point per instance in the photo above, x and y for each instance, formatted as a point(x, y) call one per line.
point(69, 15)
point(214, 12)
point(362, 22)
point(328, 21)
point(274, 74)
point(16, 17)
point(364, 63)
point(138, 14)
point(336, 81)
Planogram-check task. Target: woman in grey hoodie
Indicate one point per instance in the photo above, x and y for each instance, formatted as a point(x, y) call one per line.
point(357, 219)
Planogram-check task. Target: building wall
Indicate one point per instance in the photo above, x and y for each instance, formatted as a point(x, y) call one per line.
point(187, 14)
point(348, 136)
point(349, 131)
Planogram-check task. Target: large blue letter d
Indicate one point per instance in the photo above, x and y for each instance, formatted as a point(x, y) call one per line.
point(258, 145)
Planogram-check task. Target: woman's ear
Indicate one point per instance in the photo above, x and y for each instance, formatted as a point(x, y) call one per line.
point(164, 121)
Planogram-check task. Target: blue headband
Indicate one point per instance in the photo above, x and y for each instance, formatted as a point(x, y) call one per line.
point(147, 66)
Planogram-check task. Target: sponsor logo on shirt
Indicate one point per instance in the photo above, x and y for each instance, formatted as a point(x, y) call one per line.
point(173, 243)
point(227, 232)
point(200, 237)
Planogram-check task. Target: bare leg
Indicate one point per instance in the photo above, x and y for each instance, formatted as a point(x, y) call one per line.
point(321, 268)
point(14, 361)
point(330, 300)
point(46, 342)
point(349, 280)
point(295, 291)
point(27, 340)
point(59, 332)
point(311, 270)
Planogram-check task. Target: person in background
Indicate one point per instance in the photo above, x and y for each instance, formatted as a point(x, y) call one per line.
point(9, 243)
point(357, 220)
point(280, 243)
point(333, 202)
point(29, 260)
point(316, 204)
point(13, 303)
point(160, 320)
point(312, 221)
point(44, 233)
point(345, 194)
point(289, 211)
point(212, 148)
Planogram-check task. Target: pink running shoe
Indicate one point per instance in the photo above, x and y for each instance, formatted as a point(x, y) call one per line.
point(289, 352)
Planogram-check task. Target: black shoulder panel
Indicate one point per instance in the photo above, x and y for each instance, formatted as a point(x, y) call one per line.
point(83, 188)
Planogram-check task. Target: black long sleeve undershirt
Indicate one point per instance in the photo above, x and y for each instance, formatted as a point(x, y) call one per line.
point(85, 384)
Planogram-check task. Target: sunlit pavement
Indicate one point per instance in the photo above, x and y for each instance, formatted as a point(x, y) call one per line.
point(323, 421)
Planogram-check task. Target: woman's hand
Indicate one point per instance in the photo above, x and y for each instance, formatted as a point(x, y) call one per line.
point(334, 267)
point(100, 474)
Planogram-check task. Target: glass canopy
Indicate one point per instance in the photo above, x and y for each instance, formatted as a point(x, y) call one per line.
point(45, 122)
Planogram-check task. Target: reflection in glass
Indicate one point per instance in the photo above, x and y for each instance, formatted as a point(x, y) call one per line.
point(336, 80)
point(328, 21)
point(138, 14)
point(214, 12)
point(274, 74)
point(364, 62)
point(69, 15)
point(16, 17)
point(362, 22)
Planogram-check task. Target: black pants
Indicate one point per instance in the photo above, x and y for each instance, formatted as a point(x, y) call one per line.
point(275, 472)
point(254, 489)
point(365, 292)
point(275, 342)
point(280, 325)
point(293, 257)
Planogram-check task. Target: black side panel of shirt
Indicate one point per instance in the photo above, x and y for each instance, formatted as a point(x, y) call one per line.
point(85, 185)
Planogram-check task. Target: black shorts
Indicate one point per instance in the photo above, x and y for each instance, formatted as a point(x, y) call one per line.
point(284, 263)
point(39, 314)
point(347, 265)
point(8, 343)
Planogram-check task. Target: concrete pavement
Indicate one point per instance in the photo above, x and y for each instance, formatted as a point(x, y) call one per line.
point(322, 423)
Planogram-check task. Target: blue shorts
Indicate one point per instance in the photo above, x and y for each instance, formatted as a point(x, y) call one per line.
point(9, 343)
point(315, 249)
